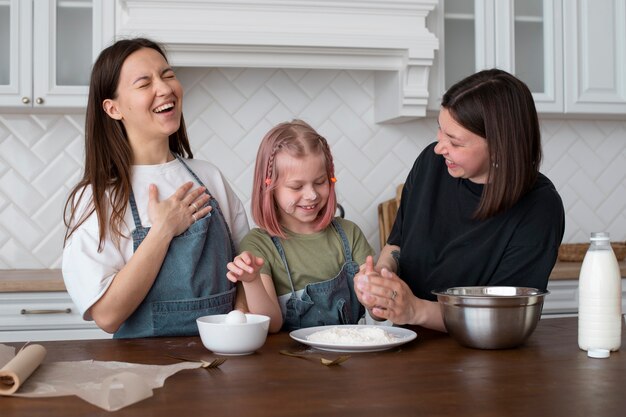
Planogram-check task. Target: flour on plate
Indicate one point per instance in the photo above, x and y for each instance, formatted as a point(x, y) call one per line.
point(353, 336)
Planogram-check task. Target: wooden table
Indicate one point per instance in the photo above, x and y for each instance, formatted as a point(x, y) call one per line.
point(431, 376)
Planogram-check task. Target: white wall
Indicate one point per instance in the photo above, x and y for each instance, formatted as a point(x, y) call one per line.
point(229, 110)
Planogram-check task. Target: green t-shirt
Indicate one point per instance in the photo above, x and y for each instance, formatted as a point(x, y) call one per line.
point(311, 257)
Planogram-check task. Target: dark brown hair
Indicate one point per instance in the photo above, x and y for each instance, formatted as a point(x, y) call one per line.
point(500, 108)
point(108, 155)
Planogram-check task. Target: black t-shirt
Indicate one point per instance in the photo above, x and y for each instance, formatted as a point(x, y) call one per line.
point(442, 246)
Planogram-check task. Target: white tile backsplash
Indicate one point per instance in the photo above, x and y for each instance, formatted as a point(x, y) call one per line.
point(228, 110)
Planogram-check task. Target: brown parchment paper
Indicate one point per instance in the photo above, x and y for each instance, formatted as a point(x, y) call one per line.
point(108, 385)
point(18, 369)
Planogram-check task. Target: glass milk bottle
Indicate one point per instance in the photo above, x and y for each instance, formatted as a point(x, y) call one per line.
point(599, 297)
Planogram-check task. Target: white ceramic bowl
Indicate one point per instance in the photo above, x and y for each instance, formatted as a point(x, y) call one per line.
point(233, 339)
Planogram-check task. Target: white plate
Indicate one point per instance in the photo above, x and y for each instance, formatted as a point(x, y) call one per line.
point(403, 335)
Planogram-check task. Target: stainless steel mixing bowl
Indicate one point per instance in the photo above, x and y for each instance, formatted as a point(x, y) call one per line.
point(491, 317)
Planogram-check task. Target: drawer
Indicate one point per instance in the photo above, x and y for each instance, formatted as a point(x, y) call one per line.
point(42, 316)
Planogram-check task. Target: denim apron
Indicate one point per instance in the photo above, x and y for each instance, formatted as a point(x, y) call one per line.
point(192, 280)
point(327, 302)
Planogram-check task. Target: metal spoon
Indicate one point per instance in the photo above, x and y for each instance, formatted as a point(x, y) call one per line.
point(324, 361)
point(205, 364)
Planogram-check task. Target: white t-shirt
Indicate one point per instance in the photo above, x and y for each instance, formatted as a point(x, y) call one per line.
point(88, 273)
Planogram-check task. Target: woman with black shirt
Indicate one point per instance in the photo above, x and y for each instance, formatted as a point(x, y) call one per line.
point(475, 210)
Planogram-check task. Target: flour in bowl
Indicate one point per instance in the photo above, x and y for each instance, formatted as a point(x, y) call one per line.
point(353, 336)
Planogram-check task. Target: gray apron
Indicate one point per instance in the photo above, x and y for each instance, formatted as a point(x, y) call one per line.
point(192, 280)
point(324, 303)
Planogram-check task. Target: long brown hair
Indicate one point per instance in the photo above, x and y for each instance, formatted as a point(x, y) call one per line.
point(500, 108)
point(108, 155)
point(298, 139)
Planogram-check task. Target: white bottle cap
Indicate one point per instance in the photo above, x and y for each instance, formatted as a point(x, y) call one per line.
point(598, 353)
point(600, 236)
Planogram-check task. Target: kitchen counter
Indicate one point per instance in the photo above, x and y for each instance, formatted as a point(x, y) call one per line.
point(31, 280)
point(571, 270)
point(432, 376)
point(34, 280)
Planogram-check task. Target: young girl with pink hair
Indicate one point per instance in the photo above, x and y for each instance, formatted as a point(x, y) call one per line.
point(298, 266)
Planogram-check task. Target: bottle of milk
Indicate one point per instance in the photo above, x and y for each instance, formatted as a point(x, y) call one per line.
point(599, 297)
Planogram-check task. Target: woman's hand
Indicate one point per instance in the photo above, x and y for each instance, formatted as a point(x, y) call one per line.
point(245, 268)
point(175, 214)
point(384, 294)
point(387, 297)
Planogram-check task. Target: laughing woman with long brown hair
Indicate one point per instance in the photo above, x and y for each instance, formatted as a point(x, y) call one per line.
point(149, 229)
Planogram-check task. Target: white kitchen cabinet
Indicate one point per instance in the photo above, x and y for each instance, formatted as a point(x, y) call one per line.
point(47, 48)
point(522, 37)
point(595, 56)
point(41, 316)
point(571, 54)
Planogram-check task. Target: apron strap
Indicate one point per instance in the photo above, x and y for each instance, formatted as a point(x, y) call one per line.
point(281, 252)
point(347, 251)
point(133, 208)
point(193, 174)
point(212, 202)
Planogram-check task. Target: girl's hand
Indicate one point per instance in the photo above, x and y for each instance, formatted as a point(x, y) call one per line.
point(175, 214)
point(246, 268)
point(368, 266)
point(365, 271)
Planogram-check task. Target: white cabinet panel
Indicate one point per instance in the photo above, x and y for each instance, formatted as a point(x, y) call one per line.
point(38, 316)
point(595, 53)
point(524, 38)
point(17, 69)
point(563, 297)
point(571, 53)
point(49, 50)
point(536, 54)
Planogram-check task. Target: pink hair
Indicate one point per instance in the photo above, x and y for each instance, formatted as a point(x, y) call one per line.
point(297, 139)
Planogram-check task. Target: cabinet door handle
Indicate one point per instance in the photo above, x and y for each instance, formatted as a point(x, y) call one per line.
point(59, 311)
point(25, 100)
point(39, 100)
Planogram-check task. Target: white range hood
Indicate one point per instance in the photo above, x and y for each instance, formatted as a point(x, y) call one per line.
point(387, 36)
